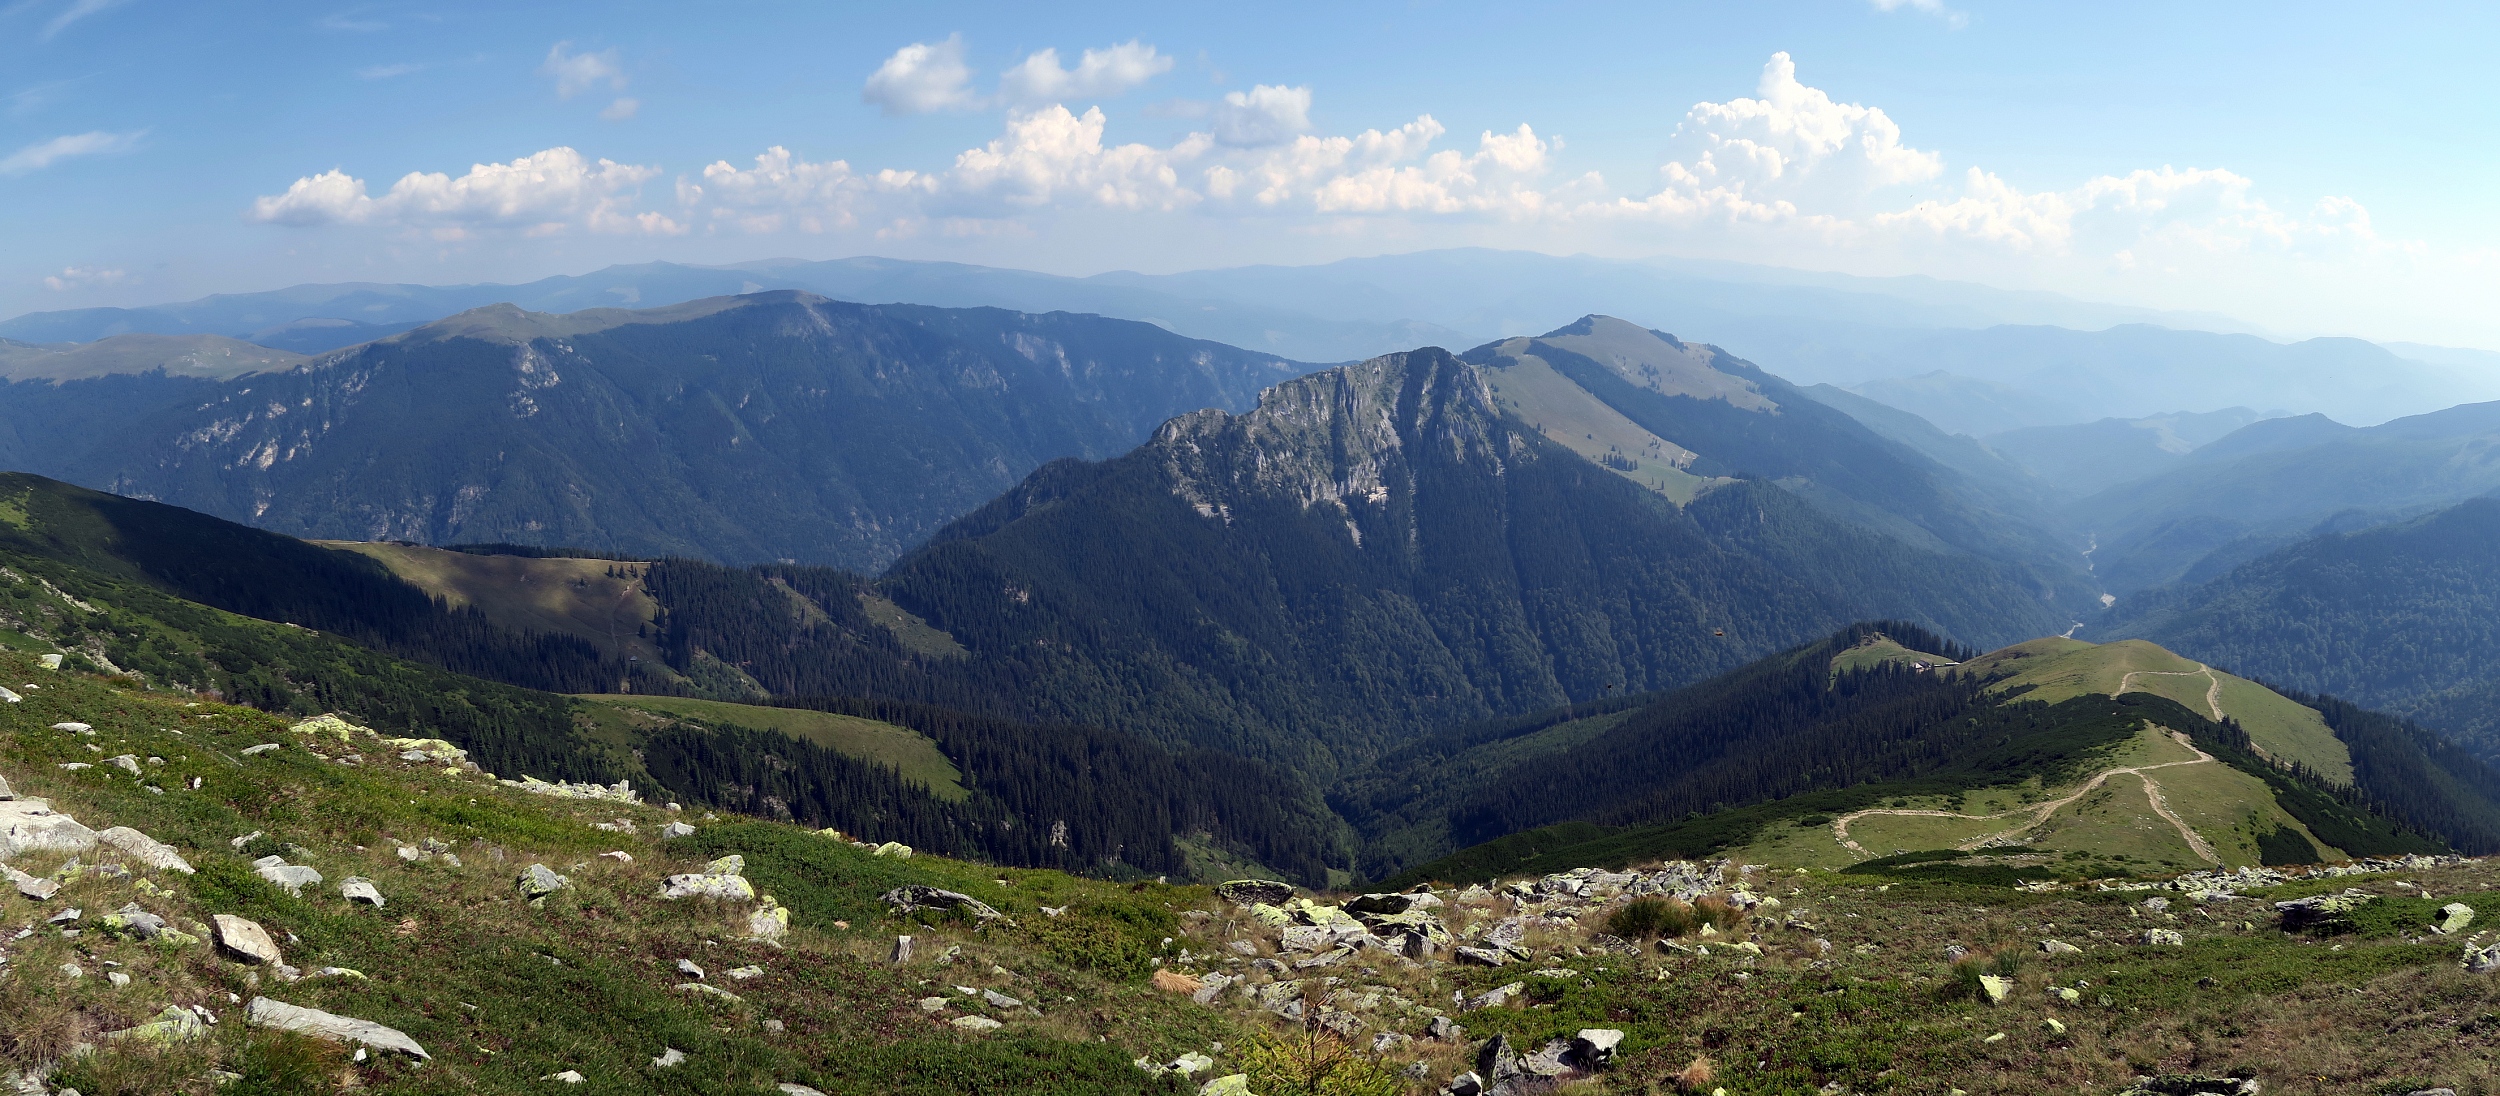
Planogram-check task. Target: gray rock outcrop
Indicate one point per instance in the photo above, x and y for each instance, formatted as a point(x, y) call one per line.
point(264, 1012)
point(914, 897)
point(32, 826)
point(145, 850)
point(246, 940)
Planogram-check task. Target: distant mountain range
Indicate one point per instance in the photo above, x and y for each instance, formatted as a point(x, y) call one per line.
point(2275, 482)
point(779, 425)
point(1972, 359)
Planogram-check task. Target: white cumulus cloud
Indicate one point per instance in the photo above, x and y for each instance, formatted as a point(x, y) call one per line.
point(1263, 115)
point(1099, 73)
point(1793, 148)
point(921, 78)
point(576, 73)
point(540, 194)
point(43, 154)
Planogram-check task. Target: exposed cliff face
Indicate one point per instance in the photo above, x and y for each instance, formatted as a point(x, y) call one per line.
point(773, 426)
point(1347, 438)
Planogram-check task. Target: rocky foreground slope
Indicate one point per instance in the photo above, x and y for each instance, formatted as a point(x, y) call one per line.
point(209, 898)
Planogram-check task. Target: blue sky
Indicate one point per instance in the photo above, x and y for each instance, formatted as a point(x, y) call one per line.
point(2313, 168)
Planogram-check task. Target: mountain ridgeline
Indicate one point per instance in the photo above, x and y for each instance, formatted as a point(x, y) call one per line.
point(1765, 757)
point(745, 429)
point(1379, 549)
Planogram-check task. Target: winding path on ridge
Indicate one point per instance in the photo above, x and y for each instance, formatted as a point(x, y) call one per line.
point(2040, 812)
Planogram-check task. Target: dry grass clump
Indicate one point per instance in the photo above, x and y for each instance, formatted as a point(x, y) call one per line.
point(1697, 1075)
point(1668, 918)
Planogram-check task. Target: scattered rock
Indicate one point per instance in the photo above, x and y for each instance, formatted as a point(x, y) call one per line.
point(2059, 947)
point(789, 1089)
point(1445, 1029)
point(173, 1025)
point(2483, 960)
point(669, 1056)
point(263, 748)
point(1231, 1084)
point(32, 826)
point(2453, 918)
point(745, 973)
point(538, 881)
point(2322, 911)
point(130, 920)
point(1483, 957)
point(246, 940)
point(2189, 1084)
point(294, 877)
point(934, 1004)
point(902, 951)
point(128, 763)
point(711, 990)
point(722, 880)
point(768, 922)
point(622, 791)
point(894, 849)
point(357, 888)
point(1596, 1046)
point(570, 1077)
point(1248, 892)
point(914, 897)
point(1495, 998)
point(264, 1012)
point(2163, 938)
point(1996, 987)
point(677, 829)
point(32, 887)
point(1210, 986)
point(978, 1025)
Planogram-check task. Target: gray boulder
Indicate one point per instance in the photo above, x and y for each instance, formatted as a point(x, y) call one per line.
point(357, 888)
point(146, 850)
point(294, 877)
point(1245, 892)
point(914, 897)
point(2453, 918)
point(1483, 957)
point(32, 826)
point(2163, 938)
point(1595, 1047)
point(264, 1012)
point(1496, 998)
point(538, 881)
point(246, 940)
point(2321, 911)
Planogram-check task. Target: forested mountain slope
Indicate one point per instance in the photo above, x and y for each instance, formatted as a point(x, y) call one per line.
point(771, 426)
point(2403, 618)
point(1377, 550)
point(117, 586)
point(2042, 756)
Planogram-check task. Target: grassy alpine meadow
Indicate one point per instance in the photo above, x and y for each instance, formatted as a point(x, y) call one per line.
point(1837, 981)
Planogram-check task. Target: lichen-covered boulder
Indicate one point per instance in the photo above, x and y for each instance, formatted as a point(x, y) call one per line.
point(914, 897)
point(1248, 892)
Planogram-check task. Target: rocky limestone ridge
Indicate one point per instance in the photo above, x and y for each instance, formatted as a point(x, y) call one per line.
point(1348, 437)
